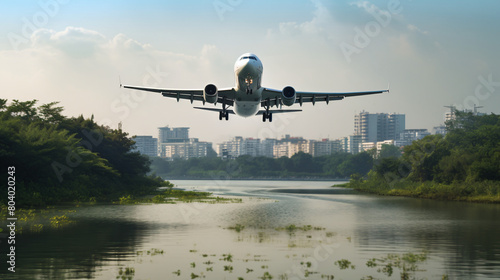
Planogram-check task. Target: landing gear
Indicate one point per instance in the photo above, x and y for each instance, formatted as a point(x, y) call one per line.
point(249, 91)
point(267, 115)
point(224, 114)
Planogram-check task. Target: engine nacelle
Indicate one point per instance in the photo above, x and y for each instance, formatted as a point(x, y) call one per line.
point(288, 95)
point(210, 93)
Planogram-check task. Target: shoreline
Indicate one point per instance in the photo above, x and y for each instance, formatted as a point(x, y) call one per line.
point(443, 194)
point(256, 179)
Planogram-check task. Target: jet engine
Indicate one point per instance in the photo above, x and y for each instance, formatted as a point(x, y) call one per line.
point(288, 95)
point(210, 93)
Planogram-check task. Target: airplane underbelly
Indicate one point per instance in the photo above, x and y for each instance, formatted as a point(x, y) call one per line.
point(246, 108)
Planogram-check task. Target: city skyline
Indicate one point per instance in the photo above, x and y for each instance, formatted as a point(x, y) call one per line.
point(371, 130)
point(432, 54)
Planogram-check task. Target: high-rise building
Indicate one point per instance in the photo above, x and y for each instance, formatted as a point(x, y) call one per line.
point(173, 135)
point(378, 127)
point(146, 145)
point(267, 147)
point(185, 150)
point(175, 143)
point(325, 147)
point(409, 135)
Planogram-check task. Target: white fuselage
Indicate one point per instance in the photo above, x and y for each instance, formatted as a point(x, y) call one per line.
point(248, 72)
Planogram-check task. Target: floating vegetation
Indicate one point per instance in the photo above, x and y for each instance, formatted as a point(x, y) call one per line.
point(406, 263)
point(292, 228)
point(35, 228)
point(228, 268)
point(344, 264)
point(227, 257)
point(237, 227)
point(171, 196)
point(193, 265)
point(178, 272)
point(126, 274)
point(60, 221)
point(126, 200)
point(152, 252)
point(266, 276)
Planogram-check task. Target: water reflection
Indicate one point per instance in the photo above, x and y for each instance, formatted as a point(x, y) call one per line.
point(196, 239)
point(78, 251)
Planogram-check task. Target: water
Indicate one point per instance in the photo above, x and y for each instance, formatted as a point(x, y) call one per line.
point(460, 240)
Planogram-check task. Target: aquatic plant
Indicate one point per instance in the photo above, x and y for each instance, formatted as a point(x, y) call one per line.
point(178, 272)
point(237, 227)
point(266, 276)
point(154, 252)
point(344, 264)
point(35, 228)
point(406, 263)
point(227, 258)
point(60, 221)
point(126, 274)
point(126, 200)
point(228, 268)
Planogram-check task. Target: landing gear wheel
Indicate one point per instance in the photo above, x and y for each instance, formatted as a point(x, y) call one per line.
point(270, 117)
point(220, 115)
point(264, 117)
point(227, 116)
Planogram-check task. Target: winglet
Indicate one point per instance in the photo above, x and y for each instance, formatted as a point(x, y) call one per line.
point(120, 80)
point(388, 87)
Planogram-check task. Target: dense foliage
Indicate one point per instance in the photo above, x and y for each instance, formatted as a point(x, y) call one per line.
point(59, 159)
point(463, 164)
point(300, 165)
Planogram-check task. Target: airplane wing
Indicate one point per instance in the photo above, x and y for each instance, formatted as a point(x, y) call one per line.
point(273, 96)
point(225, 96)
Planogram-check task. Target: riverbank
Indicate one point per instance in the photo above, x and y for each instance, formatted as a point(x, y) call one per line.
point(478, 192)
point(255, 178)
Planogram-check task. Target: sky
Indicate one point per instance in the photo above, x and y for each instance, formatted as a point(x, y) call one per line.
point(431, 53)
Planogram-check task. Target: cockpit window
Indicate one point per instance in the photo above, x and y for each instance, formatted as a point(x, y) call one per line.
point(249, 57)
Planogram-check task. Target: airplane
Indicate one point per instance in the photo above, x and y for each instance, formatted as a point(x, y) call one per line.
point(248, 95)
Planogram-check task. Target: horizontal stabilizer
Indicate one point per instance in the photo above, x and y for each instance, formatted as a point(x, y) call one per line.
point(278, 111)
point(214, 109)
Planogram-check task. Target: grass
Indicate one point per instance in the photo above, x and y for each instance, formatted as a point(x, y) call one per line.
point(479, 192)
point(171, 196)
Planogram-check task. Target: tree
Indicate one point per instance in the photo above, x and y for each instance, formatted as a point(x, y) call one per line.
point(388, 151)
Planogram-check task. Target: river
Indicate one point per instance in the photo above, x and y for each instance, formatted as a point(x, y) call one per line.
point(281, 229)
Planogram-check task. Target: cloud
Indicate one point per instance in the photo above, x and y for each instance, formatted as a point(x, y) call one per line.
point(318, 24)
point(73, 41)
point(413, 28)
